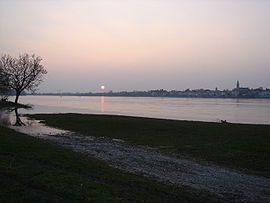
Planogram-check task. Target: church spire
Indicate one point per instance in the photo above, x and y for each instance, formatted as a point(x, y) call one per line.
point(237, 84)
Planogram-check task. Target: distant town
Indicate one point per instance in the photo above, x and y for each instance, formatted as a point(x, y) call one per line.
point(237, 92)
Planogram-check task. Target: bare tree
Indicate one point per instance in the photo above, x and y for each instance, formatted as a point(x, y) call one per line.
point(23, 73)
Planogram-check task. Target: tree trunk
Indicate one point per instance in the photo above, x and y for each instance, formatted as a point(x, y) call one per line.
point(17, 97)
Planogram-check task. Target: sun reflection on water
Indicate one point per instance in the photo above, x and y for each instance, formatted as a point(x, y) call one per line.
point(102, 101)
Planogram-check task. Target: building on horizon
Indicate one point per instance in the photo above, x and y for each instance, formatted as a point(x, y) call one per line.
point(237, 84)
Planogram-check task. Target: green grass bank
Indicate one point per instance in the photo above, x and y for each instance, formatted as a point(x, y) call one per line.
point(32, 170)
point(9, 104)
point(239, 146)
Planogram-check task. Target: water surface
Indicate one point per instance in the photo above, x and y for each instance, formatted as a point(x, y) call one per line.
point(199, 109)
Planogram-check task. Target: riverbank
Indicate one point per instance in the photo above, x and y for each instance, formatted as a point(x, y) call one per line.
point(194, 175)
point(238, 146)
point(191, 178)
point(35, 170)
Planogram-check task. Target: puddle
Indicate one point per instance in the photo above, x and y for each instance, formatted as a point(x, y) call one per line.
point(12, 119)
point(4, 117)
point(118, 140)
point(36, 128)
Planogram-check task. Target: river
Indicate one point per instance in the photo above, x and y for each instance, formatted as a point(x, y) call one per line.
point(197, 109)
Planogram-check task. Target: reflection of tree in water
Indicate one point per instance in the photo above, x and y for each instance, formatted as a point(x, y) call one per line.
point(4, 117)
point(18, 119)
point(7, 113)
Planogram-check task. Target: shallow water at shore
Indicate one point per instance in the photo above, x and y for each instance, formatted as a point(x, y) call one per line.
point(28, 126)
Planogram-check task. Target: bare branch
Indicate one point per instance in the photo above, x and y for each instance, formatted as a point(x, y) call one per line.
point(23, 73)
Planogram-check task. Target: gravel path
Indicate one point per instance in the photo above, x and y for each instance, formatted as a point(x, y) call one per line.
point(228, 184)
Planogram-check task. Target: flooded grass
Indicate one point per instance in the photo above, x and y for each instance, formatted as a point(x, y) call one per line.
point(32, 170)
point(9, 104)
point(241, 146)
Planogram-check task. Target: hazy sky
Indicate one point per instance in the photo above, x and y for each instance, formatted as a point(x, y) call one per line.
point(141, 44)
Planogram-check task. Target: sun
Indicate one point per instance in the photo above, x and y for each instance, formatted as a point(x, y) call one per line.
point(102, 87)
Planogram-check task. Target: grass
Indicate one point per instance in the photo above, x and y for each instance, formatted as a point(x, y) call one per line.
point(33, 170)
point(240, 146)
point(9, 104)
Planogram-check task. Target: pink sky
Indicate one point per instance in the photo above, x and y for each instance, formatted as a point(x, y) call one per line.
point(141, 45)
